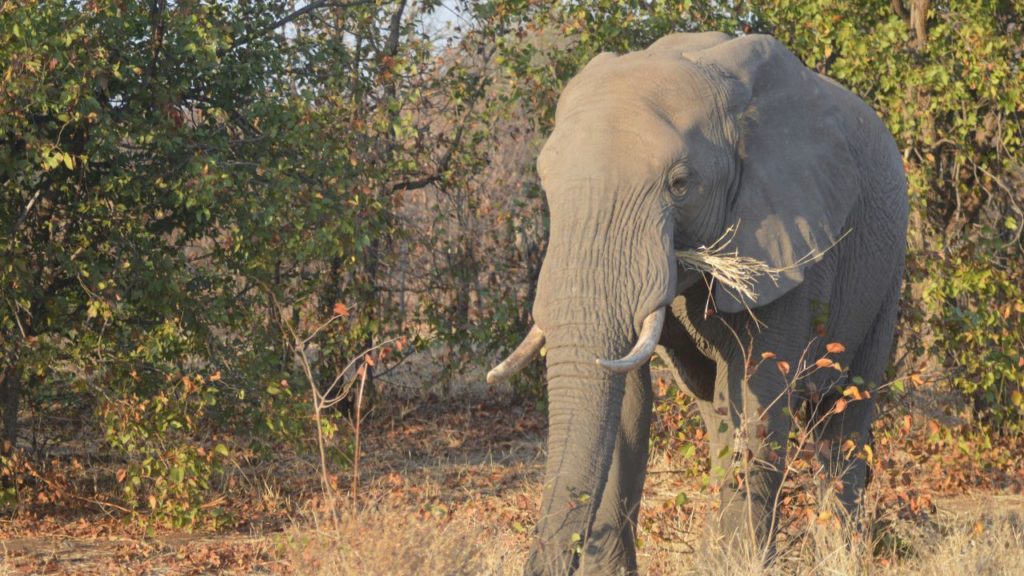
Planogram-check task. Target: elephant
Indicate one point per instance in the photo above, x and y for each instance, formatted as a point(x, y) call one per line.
point(699, 137)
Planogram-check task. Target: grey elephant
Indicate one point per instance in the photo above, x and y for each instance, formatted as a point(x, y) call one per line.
point(666, 150)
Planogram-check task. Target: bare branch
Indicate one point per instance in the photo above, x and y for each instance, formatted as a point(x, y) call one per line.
point(289, 18)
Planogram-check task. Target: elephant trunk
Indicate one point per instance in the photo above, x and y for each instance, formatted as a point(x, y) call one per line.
point(593, 303)
point(584, 407)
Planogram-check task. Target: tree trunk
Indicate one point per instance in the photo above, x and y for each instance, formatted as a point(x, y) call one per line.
point(10, 396)
point(919, 23)
point(916, 20)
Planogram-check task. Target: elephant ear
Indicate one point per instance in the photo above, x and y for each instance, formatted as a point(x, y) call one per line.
point(798, 177)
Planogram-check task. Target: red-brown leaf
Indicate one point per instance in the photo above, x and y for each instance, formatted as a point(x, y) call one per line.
point(783, 367)
point(835, 348)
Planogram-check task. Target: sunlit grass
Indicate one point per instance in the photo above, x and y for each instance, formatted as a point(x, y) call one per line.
point(389, 540)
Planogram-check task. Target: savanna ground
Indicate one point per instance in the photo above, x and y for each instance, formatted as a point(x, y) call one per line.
point(449, 483)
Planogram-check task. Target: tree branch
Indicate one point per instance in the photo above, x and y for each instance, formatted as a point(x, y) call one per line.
point(394, 29)
point(289, 18)
point(897, 7)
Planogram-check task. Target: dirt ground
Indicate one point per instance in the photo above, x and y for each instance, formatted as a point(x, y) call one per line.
point(474, 457)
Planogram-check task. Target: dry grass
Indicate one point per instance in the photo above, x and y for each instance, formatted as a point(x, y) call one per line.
point(740, 274)
point(452, 487)
point(987, 546)
point(394, 542)
point(397, 542)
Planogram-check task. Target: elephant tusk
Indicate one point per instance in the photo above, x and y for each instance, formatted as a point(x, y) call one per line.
point(525, 352)
point(650, 333)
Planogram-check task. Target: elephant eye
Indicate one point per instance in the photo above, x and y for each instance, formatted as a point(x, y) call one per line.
point(677, 181)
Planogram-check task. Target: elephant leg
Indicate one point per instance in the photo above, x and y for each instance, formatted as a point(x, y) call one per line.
point(696, 373)
point(715, 415)
point(842, 460)
point(758, 425)
point(611, 547)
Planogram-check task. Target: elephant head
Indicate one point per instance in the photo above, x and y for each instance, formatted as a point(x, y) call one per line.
point(654, 152)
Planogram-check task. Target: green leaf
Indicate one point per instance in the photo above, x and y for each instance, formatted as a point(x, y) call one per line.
point(681, 499)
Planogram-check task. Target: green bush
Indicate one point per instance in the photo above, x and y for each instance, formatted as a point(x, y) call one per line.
point(174, 190)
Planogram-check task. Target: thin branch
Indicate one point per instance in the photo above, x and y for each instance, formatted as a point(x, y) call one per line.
point(395, 30)
point(407, 185)
point(302, 345)
point(25, 213)
point(324, 397)
point(289, 18)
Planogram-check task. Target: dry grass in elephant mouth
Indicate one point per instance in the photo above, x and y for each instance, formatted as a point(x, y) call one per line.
point(740, 274)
